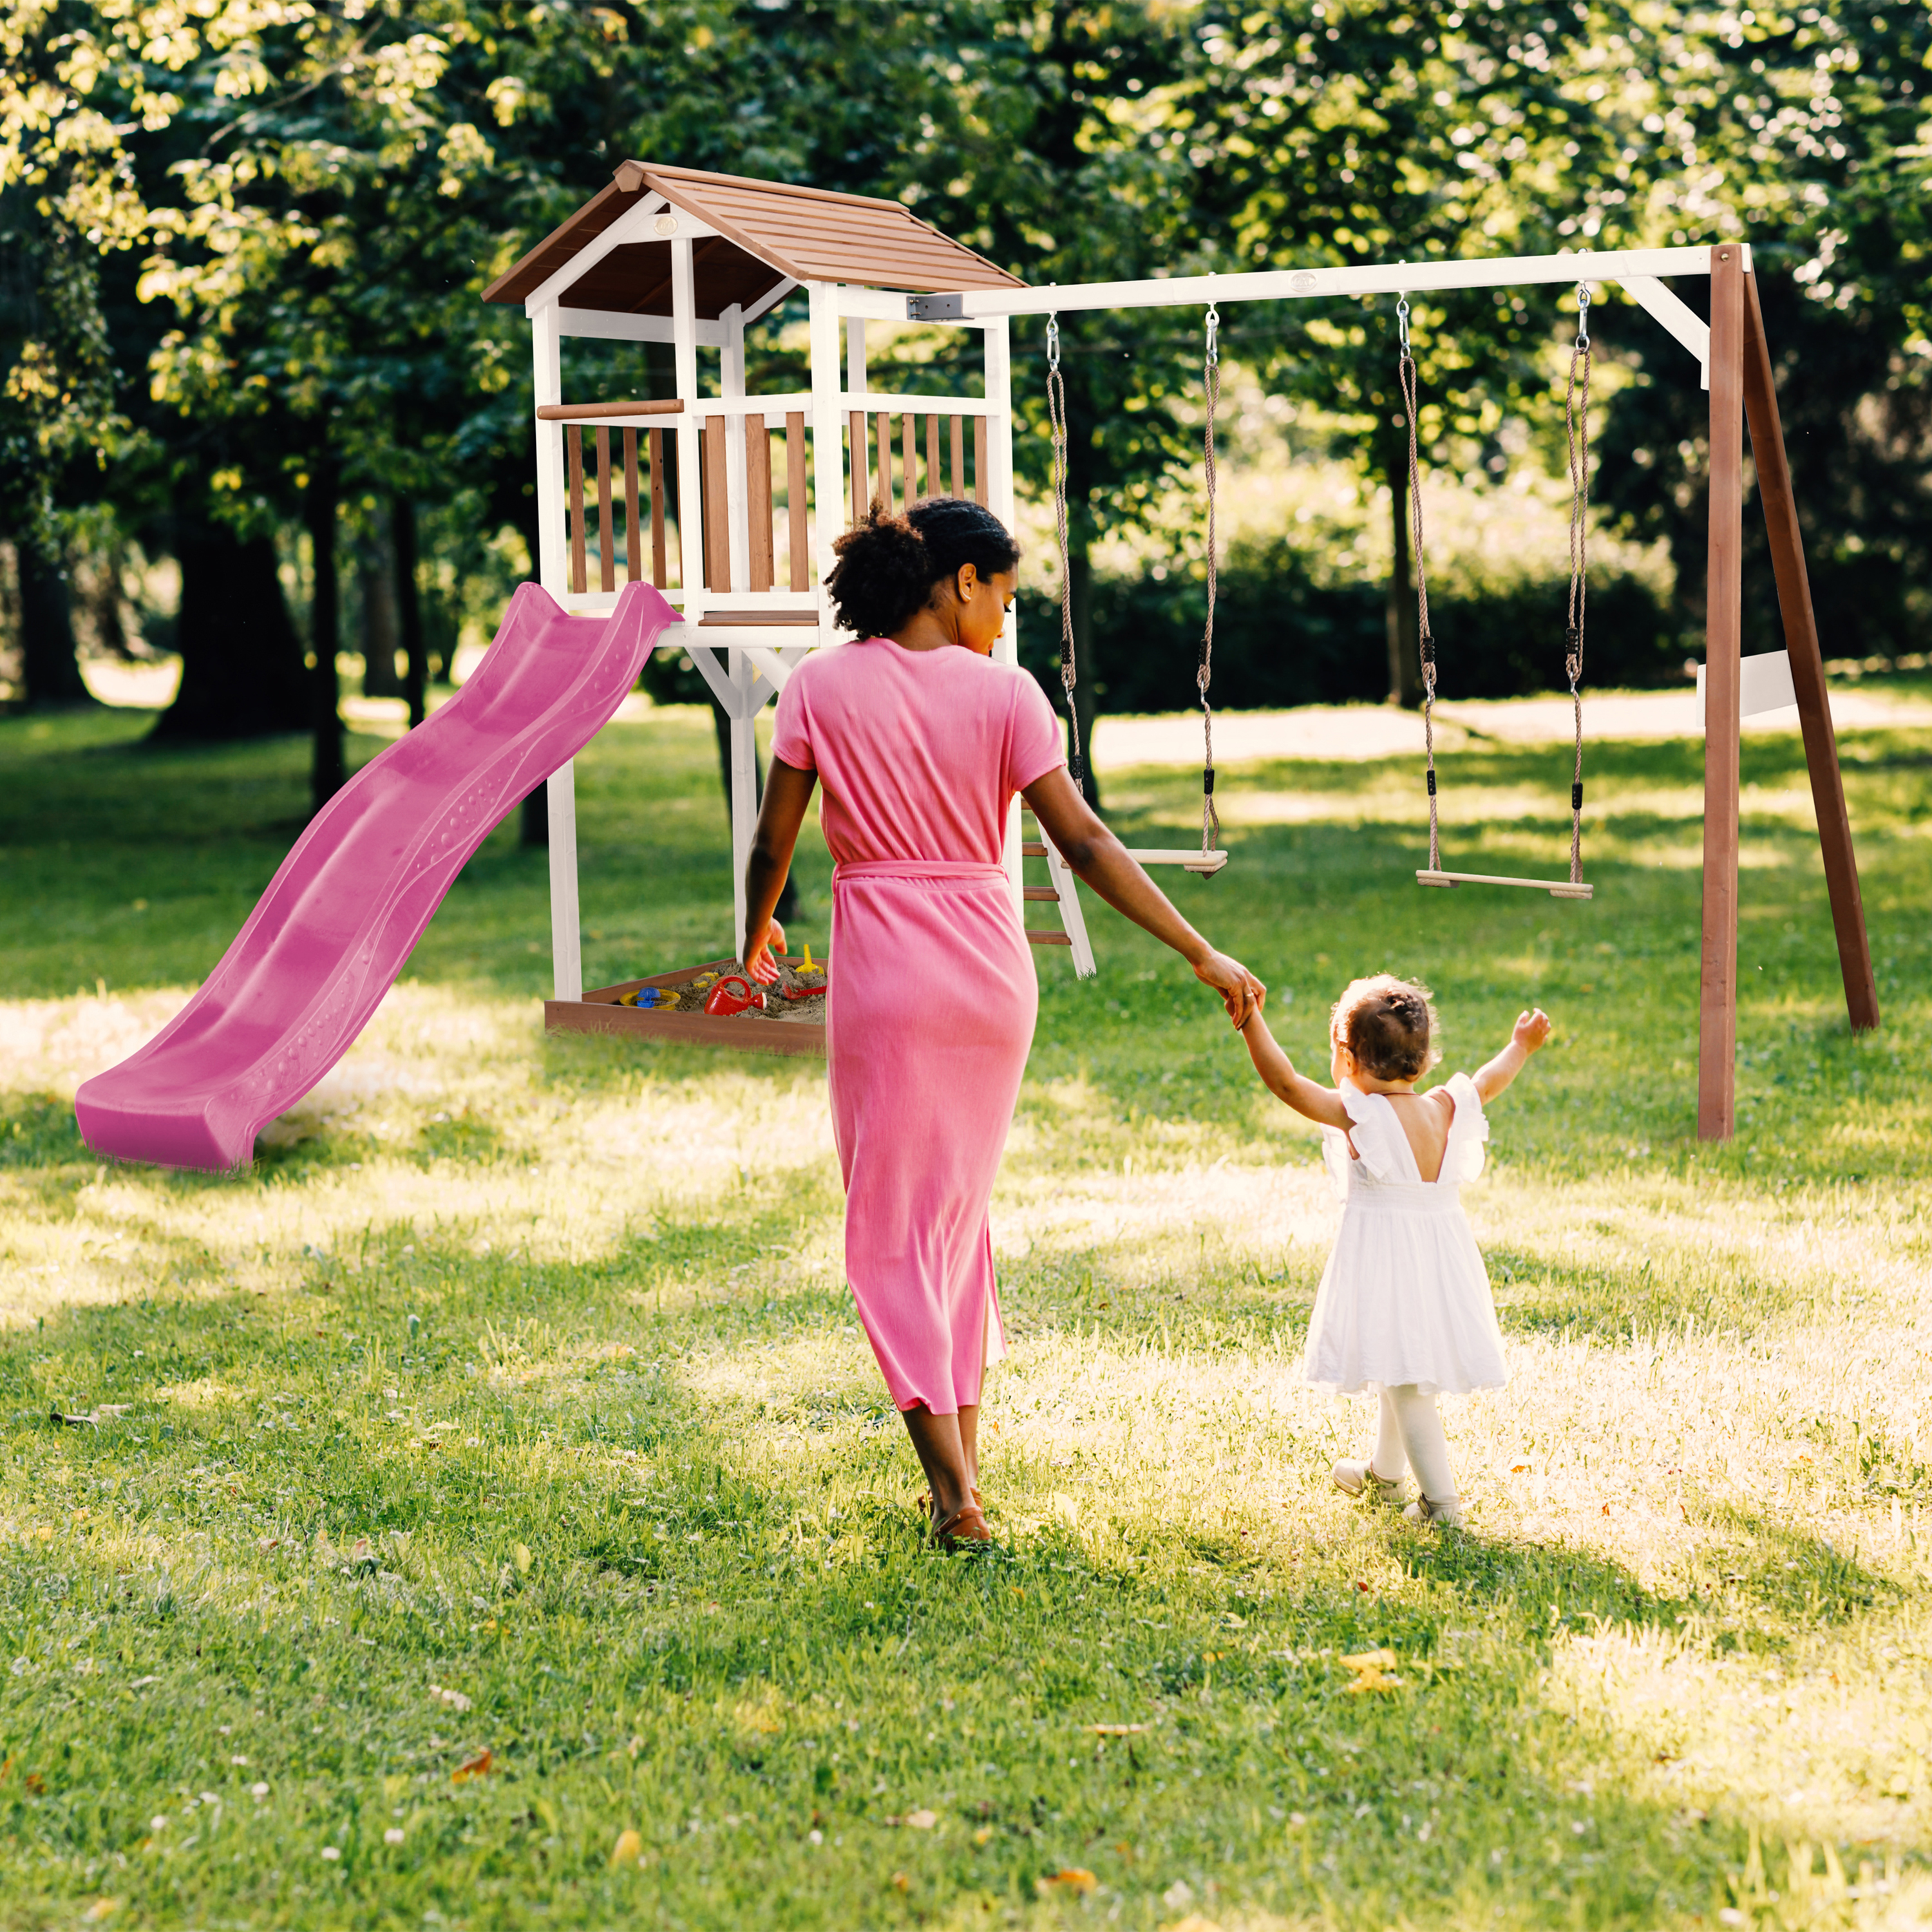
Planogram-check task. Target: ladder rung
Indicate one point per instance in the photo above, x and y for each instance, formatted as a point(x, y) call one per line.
point(1031, 848)
point(1041, 892)
point(1040, 936)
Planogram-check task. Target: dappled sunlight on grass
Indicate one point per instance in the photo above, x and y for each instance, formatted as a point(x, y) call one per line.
point(514, 1402)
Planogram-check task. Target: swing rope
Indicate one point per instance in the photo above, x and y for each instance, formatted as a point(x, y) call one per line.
point(1210, 819)
point(1056, 416)
point(1406, 376)
point(1577, 422)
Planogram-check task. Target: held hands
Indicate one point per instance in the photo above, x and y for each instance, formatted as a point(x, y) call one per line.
point(758, 952)
point(1531, 1030)
point(1241, 993)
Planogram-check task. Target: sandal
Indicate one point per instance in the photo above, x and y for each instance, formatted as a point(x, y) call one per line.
point(966, 1524)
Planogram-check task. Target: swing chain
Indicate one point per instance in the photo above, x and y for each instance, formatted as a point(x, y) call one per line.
point(1405, 378)
point(1210, 819)
point(1056, 413)
point(1576, 424)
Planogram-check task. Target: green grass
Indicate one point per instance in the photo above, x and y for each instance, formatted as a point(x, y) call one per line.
point(514, 1402)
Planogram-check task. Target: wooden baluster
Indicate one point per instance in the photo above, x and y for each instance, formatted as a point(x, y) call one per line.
point(573, 450)
point(861, 466)
point(935, 484)
point(882, 495)
point(717, 508)
point(633, 564)
point(958, 456)
point(607, 548)
point(758, 499)
point(910, 432)
point(660, 568)
point(979, 461)
point(800, 542)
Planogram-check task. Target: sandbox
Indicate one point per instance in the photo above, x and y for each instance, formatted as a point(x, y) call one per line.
point(783, 1026)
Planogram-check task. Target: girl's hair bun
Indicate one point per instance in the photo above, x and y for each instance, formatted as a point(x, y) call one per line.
point(888, 563)
point(1389, 1025)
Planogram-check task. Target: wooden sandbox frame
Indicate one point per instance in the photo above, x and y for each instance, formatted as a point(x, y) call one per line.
point(598, 1011)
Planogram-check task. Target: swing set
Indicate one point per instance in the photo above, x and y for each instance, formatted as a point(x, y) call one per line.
point(735, 498)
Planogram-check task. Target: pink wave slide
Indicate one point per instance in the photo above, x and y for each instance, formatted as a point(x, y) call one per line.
point(342, 915)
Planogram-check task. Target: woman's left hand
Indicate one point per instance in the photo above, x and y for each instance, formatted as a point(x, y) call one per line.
point(758, 952)
point(1241, 993)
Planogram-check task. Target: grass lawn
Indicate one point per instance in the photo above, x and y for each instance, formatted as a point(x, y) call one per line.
point(494, 1517)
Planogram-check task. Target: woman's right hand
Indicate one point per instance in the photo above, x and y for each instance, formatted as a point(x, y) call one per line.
point(1241, 993)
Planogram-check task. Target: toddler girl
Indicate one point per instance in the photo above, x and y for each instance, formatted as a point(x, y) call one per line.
point(1405, 1301)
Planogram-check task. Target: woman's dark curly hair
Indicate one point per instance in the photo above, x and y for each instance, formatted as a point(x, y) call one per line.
point(1389, 1025)
point(887, 565)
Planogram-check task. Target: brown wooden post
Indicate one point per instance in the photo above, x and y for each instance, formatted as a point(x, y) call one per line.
point(573, 451)
point(979, 459)
point(958, 454)
point(1807, 667)
point(883, 495)
point(607, 550)
point(633, 537)
point(1717, 976)
point(798, 542)
point(861, 465)
point(935, 484)
point(909, 431)
point(758, 499)
point(660, 565)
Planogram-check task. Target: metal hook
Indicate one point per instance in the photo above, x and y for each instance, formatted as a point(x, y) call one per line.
point(1053, 340)
point(1583, 315)
point(1401, 320)
point(1213, 324)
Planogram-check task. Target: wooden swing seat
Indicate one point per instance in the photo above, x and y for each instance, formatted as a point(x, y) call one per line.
point(1557, 889)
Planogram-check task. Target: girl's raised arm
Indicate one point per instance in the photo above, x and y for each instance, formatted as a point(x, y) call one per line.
point(1532, 1029)
point(1322, 1104)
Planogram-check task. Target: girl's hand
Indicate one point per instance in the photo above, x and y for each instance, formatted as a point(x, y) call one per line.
point(758, 953)
point(1531, 1030)
point(1241, 993)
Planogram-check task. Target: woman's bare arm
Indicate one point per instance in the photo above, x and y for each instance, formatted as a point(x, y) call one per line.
point(788, 792)
point(1322, 1104)
point(1101, 860)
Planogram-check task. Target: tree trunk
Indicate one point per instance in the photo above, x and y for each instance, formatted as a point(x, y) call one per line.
point(1405, 663)
point(50, 672)
point(241, 660)
point(376, 583)
point(408, 610)
point(326, 771)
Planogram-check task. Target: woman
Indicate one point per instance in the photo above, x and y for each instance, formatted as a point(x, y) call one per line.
point(922, 741)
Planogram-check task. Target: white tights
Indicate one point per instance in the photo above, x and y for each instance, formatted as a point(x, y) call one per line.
point(1410, 1437)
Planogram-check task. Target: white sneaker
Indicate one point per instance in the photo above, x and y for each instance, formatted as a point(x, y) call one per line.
point(1448, 1510)
point(1352, 1479)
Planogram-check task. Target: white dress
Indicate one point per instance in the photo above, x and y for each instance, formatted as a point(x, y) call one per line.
point(1405, 1297)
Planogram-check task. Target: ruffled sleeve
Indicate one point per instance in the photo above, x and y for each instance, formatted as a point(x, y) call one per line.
point(1462, 1158)
point(1381, 1145)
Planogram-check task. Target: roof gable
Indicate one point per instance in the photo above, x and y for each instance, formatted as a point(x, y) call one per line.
point(769, 232)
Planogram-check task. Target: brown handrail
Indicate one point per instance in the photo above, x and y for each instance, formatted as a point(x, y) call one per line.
point(590, 411)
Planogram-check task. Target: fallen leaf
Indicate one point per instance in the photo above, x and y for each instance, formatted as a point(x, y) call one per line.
point(1074, 1878)
point(900, 1881)
point(455, 1700)
point(630, 1844)
point(101, 1908)
point(36, 1783)
point(1116, 1730)
point(481, 1766)
point(922, 1820)
point(1370, 1660)
point(983, 1836)
point(1371, 1667)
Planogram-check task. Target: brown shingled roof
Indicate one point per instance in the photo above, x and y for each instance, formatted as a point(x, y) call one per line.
point(768, 232)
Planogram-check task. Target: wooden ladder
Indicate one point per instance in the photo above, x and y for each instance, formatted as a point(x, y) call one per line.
point(1065, 894)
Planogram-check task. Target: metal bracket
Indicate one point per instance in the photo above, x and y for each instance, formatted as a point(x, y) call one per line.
point(947, 307)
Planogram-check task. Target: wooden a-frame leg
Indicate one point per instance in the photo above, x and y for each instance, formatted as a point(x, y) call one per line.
point(1718, 971)
point(1807, 667)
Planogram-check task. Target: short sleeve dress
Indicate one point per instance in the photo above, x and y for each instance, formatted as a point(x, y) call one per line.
point(1405, 1297)
point(932, 1001)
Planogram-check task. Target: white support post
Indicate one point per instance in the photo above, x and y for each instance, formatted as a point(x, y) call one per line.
point(744, 788)
point(551, 564)
point(690, 490)
point(855, 355)
point(999, 501)
point(737, 482)
point(828, 470)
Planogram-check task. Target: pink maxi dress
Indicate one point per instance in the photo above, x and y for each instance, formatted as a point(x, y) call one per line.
point(933, 998)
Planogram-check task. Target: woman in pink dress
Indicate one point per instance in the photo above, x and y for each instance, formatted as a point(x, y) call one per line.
point(921, 741)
